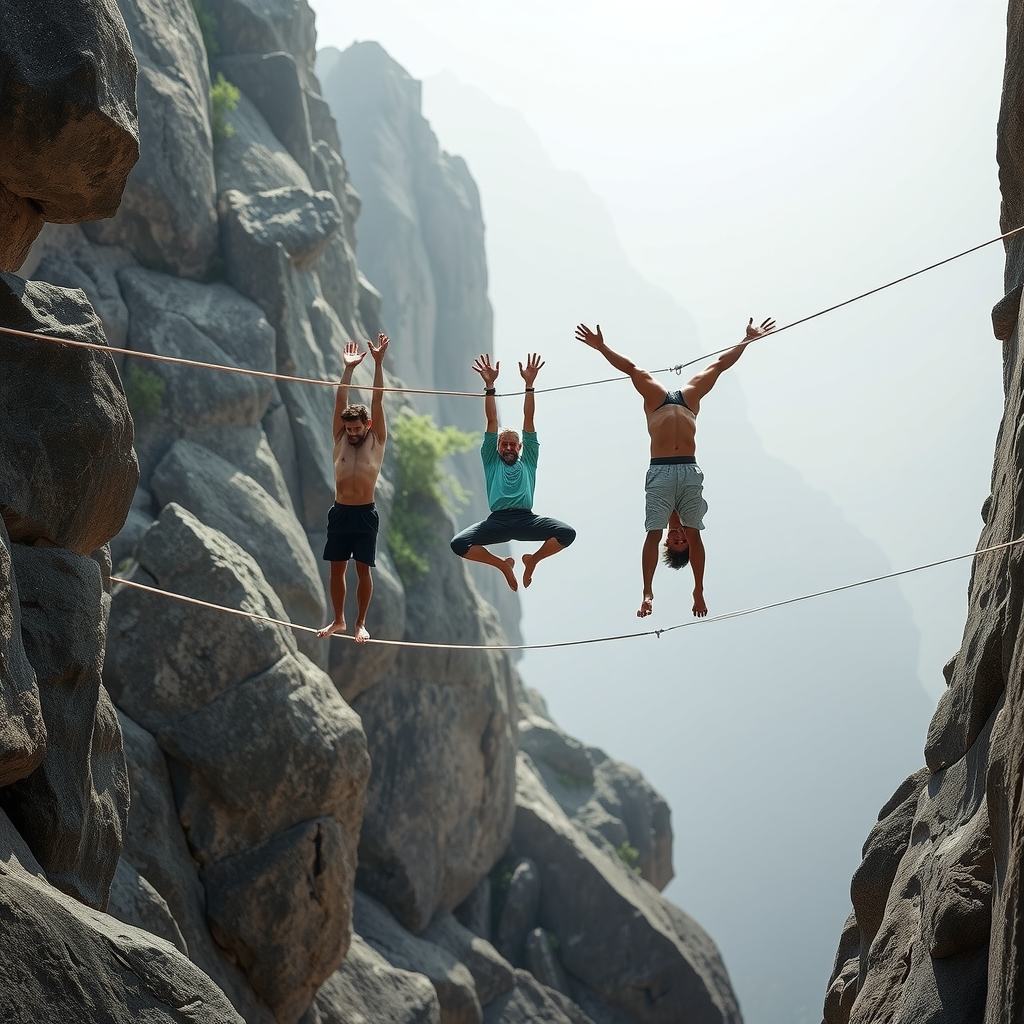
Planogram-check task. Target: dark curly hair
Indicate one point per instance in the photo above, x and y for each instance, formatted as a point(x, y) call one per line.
point(675, 559)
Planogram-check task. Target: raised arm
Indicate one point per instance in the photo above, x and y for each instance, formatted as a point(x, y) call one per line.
point(704, 381)
point(529, 373)
point(378, 423)
point(482, 365)
point(351, 358)
point(652, 392)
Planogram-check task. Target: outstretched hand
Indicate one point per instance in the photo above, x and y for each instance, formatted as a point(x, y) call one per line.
point(482, 365)
point(352, 357)
point(700, 609)
point(533, 365)
point(592, 338)
point(382, 346)
point(753, 333)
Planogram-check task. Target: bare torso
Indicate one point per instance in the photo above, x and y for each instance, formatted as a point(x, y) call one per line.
point(356, 469)
point(673, 428)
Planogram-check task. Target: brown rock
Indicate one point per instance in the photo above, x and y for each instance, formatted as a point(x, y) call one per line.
point(68, 127)
point(20, 223)
point(67, 467)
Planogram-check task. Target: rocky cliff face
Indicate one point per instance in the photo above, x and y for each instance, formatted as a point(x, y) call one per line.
point(317, 832)
point(935, 929)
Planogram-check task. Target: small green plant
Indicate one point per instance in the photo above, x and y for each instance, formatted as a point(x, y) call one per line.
point(630, 856)
point(224, 98)
point(144, 390)
point(208, 26)
point(552, 940)
point(420, 447)
point(570, 780)
point(501, 878)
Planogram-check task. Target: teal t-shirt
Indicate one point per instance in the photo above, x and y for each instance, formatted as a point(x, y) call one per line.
point(510, 486)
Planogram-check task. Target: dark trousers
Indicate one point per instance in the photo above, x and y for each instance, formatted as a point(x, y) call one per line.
point(512, 524)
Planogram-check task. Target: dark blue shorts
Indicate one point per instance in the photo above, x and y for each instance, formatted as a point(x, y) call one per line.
point(352, 533)
point(512, 524)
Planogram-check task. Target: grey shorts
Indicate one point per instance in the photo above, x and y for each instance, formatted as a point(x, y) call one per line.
point(679, 487)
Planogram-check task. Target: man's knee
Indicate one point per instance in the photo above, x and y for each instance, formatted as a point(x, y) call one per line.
point(362, 570)
point(565, 535)
point(460, 545)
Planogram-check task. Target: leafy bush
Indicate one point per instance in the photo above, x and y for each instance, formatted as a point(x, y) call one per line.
point(570, 781)
point(144, 390)
point(224, 98)
point(420, 446)
point(630, 856)
point(208, 26)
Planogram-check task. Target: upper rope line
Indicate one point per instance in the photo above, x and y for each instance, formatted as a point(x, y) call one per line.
point(739, 613)
point(677, 368)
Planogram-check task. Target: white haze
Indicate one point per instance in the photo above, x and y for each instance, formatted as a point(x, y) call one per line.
point(770, 158)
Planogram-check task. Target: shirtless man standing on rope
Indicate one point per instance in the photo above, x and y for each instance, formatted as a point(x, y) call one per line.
point(510, 469)
point(675, 484)
point(352, 523)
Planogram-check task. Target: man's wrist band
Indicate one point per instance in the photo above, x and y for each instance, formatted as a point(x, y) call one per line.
point(531, 389)
point(490, 391)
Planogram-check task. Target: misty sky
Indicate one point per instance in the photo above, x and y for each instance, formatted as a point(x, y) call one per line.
point(777, 158)
point(765, 159)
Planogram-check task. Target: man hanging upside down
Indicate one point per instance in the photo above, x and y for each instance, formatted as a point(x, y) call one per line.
point(510, 468)
point(675, 484)
point(352, 523)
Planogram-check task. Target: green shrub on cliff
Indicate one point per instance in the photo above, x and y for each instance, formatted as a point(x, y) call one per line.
point(630, 856)
point(224, 98)
point(208, 26)
point(144, 390)
point(420, 446)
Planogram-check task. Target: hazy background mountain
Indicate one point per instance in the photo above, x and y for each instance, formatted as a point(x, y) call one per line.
point(775, 740)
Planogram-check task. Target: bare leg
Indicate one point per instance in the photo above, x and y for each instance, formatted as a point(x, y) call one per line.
point(546, 550)
point(648, 563)
point(337, 599)
point(364, 591)
point(506, 566)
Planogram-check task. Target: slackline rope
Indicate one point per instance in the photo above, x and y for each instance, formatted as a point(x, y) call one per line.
point(677, 368)
point(571, 643)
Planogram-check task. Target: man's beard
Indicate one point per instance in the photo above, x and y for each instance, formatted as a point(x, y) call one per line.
point(358, 443)
point(510, 460)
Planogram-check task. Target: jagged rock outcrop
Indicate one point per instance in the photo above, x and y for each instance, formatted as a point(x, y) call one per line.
point(936, 929)
point(61, 961)
point(73, 809)
point(68, 126)
point(168, 217)
point(67, 469)
point(269, 765)
point(441, 732)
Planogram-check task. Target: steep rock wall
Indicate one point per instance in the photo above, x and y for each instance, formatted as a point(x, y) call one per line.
point(935, 932)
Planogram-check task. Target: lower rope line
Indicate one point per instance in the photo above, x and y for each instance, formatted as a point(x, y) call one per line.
point(677, 368)
point(569, 643)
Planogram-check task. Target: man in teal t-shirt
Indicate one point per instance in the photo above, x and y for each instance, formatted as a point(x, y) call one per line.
point(510, 469)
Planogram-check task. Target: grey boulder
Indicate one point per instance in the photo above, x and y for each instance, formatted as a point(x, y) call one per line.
point(519, 912)
point(134, 901)
point(530, 1002)
point(168, 217)
point(67, 467)
point(442, 734)
point(73, 809)
point(155, 846)
point(68, 127)
point(615, 932)
point(271, 81)
point(268, 764)
point(454, 984)
point(22, 732)
point(232, 502)
point(369, 990)
point(63, 961)
point(492, 973)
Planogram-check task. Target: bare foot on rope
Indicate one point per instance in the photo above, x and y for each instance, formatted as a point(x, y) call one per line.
point(646, 606)
point(508, 566)
point(361, 634)
point(530, 561)
point(337, 626)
